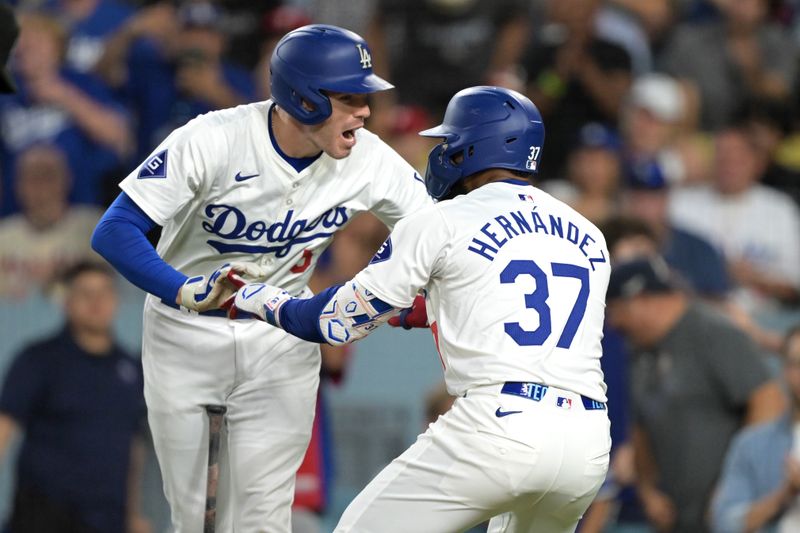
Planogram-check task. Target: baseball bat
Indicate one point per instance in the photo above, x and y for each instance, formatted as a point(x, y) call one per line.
point(215, 416)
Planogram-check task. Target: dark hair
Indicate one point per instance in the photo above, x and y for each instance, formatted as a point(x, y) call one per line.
point(75, 270)
point(617, 228)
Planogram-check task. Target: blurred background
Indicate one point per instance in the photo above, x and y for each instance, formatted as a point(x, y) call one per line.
point(672, 124)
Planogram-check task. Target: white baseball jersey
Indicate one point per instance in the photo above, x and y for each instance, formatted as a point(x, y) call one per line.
point(223, 193)
point(516, 283)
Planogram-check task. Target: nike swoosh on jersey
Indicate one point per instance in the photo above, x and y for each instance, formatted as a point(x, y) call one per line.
point(500, 414)
point(239, 177)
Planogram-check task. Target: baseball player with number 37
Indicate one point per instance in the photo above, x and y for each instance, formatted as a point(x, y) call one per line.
point(254, 192)
point(515, 285)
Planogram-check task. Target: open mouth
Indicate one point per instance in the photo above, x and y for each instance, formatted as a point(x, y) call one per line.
point(349, 135)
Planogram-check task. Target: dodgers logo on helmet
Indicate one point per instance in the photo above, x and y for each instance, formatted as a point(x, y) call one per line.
point(317, 58)
point(484, 127)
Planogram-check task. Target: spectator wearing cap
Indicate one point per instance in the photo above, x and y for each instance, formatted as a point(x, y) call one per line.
point(756, 228)
point(55, 104)
point(743, 56)
point(760, 482)
point(593, 171)
point(695, 379)
point(656, 124)
point(170, 65)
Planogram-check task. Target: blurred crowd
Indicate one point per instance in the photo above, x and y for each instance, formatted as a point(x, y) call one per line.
point(672, 124)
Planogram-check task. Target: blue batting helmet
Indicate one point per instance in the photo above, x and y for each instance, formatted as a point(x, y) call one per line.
point(484, 127)
point(315, 58)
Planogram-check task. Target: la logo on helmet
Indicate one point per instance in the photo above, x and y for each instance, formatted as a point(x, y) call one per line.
point(366, 59)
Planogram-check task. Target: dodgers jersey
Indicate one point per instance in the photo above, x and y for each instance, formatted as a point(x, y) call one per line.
point(222, 193)
point(516, 283)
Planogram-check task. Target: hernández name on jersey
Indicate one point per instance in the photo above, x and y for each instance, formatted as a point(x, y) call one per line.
point(230, 223)
point(495, 233)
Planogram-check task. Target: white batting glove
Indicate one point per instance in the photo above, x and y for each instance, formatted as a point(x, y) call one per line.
point(260, 299)
point(199, 294)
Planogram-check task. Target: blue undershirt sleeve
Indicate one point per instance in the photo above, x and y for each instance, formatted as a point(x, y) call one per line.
point(300, 317)
point(120, 237)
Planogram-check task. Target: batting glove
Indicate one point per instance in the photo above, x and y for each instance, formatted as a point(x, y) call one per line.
point(199, 294)
point(262, 300)
point(415, 316)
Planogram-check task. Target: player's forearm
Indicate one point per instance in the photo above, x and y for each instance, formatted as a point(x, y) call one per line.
point(338, 315)
point(120, 238)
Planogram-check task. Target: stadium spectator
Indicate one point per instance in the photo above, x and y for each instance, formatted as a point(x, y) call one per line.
point(769, 124)
point(171, 67)
point(756, 227)
point(593, 174)
point(48, 234)
point(646, 198)
point(760, 482)
point(90, 23)
point(744, 55)
point(695, 379)
point(574, 76)
point(58, 105)
point(656, 121)
point(76, 399)
point(472, 42)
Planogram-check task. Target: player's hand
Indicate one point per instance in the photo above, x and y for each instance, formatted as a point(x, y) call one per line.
point(199, 294)
point(415, 316)
point(261, 300)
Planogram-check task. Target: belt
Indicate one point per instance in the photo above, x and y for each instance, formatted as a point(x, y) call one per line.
point(221, 313)
point(536, 391)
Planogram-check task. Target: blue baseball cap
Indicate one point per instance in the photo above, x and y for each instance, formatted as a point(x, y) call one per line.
point(644, 275)
point(645, 175)
point(600, 136)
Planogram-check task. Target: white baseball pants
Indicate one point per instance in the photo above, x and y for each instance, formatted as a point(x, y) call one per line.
point(539, 468)
point(267, 379)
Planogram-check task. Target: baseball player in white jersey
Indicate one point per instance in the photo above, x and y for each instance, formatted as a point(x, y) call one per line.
point(514, 283)
point(258, 191)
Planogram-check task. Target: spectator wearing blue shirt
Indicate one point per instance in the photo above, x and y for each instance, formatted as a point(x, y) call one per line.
point(760, 482)
point(77, 400)
point(57, 105)
point(170, 67)
point(90, 24)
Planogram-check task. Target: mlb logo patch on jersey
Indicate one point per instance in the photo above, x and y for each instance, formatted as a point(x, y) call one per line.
point(383, 253)
point(155, 167)
point(564, 403)
point(526, 197)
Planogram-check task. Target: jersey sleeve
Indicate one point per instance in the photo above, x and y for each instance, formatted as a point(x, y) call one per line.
point(412, 255)
point(399, 189)
point(174, 173)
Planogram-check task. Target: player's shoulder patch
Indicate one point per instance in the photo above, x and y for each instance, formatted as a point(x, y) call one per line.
point(155, 167)
point(383, 253)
